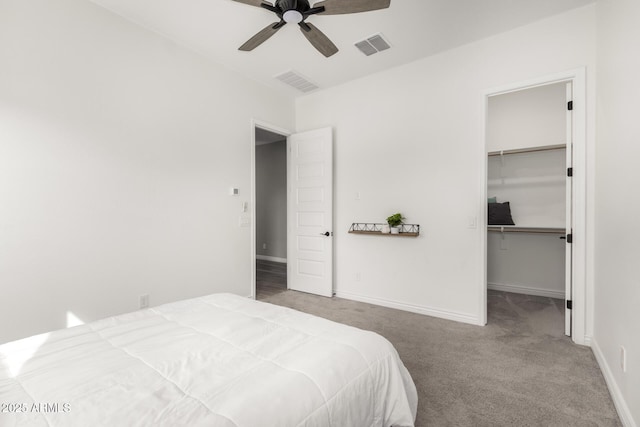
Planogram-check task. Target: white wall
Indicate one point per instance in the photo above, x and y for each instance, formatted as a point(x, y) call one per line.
point(411, 140)
point(528, 118)
point(532, 264)
point(117, 151)
point(617, 290)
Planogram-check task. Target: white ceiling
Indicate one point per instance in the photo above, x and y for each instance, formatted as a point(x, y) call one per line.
point(414, 28)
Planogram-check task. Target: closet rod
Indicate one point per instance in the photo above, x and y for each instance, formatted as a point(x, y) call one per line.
point(533, 230)
point(527, 150)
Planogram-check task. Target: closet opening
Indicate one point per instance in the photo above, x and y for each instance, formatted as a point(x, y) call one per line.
point(529, 208)
point(270, 212)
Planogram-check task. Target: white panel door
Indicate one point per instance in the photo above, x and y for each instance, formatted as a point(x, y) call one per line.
point(569, 217)
point(310, 212)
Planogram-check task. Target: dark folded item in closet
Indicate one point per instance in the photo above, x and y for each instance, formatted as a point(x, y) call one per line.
point(500, 214)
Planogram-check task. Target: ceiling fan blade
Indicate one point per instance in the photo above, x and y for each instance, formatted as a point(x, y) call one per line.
point(339, 7)
point(318, 39)
point(262, 36)
point(256, 3)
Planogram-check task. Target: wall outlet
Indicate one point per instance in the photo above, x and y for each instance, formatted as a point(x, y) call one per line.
point(144, 301)
point(264, 246)
point(623, 359)
point(358, 276)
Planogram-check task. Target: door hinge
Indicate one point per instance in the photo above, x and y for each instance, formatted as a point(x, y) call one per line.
point(569, 304)
point(568, 237)
point(569, 171)
point(570, 105)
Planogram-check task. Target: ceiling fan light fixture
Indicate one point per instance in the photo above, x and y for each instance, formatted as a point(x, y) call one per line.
point(292, 17)
point(297, 11)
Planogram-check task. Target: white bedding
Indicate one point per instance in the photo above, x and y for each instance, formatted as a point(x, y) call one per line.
point(219, 360)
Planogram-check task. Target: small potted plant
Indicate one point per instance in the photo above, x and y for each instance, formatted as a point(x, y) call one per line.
point(394, 222)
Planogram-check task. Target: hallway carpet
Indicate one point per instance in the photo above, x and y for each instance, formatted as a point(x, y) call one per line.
point(271, 278)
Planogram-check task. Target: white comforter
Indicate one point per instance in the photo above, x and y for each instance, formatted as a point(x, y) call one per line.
point(220, 360)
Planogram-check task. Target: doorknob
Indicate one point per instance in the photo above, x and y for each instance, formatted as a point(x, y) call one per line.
point(326, 233)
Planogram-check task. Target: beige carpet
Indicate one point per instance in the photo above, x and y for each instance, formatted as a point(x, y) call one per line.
point(519, 370)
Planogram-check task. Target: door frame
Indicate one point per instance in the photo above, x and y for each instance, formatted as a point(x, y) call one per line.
point(580, 314)
point(271, 128)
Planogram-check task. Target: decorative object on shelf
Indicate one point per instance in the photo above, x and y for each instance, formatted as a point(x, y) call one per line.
point(499, 214)
point(406, 230)
point(385, 229)
point(395, 221)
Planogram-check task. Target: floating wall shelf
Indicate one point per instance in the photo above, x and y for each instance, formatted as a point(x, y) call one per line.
point(406, 230)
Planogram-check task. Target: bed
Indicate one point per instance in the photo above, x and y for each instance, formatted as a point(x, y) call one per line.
point(219, 360)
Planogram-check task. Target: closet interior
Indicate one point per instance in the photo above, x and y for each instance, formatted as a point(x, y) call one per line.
point(529, 193)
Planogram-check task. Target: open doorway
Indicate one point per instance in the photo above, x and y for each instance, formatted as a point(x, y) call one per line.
point(529, 189)
point(270, 212)
point(307, 189)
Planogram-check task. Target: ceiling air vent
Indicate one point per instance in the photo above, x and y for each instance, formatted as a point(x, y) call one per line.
point(373, 44)
point(296, 81)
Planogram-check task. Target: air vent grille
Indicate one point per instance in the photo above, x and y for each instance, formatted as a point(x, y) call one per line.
point(366, 48)
point(373, 44)
point(296, 81)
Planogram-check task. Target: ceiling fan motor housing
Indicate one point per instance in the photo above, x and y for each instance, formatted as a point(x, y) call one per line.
point(298, 5)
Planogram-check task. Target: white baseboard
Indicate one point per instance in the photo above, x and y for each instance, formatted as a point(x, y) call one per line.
point(526, 290)
point(428, 311)
point(618, 399)
point(271, 258)
point(585, 341)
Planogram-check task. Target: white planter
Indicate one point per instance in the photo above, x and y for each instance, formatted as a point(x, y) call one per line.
point(395, 230)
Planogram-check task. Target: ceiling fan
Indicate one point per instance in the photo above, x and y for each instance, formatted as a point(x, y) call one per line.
point(297, 11)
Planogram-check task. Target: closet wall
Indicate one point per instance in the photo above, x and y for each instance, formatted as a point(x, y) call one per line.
point(535, 185)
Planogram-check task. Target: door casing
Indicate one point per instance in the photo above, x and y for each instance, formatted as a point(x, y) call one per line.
point(581, 315)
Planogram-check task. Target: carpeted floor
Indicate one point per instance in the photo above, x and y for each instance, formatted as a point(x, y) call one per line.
point(519, 370)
